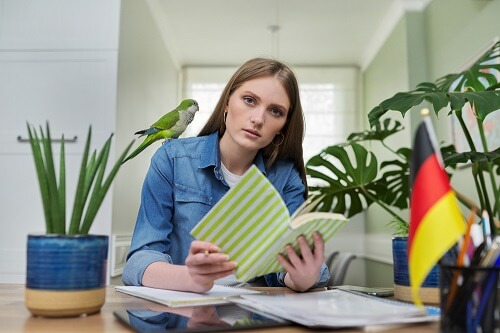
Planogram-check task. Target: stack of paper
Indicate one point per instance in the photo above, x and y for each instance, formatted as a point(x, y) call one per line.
point(338, 308)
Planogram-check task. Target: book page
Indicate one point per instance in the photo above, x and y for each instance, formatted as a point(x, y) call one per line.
point(325, 223)
point(307, 206)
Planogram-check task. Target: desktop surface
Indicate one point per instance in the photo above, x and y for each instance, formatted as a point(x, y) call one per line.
point(14, 317)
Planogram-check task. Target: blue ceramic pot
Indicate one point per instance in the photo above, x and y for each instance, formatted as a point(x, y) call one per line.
point(66, 275)
point(400, 257)
point(60, 262)
point(429, 291)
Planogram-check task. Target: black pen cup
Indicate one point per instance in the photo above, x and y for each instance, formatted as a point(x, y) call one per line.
point(470, 299)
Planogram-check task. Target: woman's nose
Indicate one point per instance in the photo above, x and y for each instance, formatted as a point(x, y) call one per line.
point(257, 116)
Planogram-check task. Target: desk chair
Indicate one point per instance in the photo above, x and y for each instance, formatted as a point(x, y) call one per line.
point(338, 263)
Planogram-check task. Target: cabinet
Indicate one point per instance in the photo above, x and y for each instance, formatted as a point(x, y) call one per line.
point(58, 63)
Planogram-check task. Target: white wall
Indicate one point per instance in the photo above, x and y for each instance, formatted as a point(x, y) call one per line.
point(57, 63)
point(147, 89)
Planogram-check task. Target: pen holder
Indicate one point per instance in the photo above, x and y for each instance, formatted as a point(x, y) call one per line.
point(470, 300)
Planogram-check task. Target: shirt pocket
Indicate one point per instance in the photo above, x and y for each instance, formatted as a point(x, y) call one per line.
point(190, 206)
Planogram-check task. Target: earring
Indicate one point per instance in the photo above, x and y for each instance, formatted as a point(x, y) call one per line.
point(225, 116)
point(282, 139)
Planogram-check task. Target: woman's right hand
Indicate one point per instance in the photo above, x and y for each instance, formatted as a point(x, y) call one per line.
point(204, 316)
point(206, 263)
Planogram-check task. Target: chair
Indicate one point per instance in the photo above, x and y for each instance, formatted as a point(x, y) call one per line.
point(338, 263)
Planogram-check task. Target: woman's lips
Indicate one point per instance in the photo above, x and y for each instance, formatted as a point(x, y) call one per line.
point(252, 133)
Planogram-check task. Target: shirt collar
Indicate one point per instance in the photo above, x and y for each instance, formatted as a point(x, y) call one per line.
point(211, 154)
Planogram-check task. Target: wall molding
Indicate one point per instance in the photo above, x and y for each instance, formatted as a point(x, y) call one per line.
point(120, 247)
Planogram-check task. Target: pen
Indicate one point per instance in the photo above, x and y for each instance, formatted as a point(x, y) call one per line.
point(485, 221)
point(460, 260)
point(486, 295)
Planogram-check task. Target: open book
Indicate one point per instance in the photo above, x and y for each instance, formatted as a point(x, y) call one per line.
point(217, 295)
point(251, 224)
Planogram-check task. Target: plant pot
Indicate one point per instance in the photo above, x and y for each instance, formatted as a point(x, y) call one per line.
point(66, 275)
point(429, 291)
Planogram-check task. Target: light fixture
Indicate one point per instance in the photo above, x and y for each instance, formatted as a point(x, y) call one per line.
point(274, 29)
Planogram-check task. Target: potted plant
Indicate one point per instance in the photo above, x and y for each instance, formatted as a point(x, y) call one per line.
point(66, 267)
point(351, 178)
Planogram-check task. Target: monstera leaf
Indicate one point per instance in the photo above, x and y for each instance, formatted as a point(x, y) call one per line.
point(476, 86)
point(492, 158)
point(348, 183)
point(480, 76)
point(380, 131)
point(485, 102)
point(396, 179)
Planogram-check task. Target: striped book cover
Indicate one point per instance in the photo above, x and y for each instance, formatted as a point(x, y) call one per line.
point(251, 224)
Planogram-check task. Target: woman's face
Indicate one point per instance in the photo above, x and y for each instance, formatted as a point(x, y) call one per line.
point(256, 113)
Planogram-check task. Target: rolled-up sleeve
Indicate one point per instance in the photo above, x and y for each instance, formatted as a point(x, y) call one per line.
point(151, 241)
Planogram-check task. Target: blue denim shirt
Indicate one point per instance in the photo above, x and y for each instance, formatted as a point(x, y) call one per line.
point(183, 183)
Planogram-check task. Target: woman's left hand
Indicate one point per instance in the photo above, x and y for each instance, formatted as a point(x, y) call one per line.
point(303, 270)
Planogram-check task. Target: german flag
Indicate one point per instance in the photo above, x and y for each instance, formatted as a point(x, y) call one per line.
point(436, 222)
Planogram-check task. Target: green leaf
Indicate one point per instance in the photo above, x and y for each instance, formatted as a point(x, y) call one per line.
point(472, 156)
point(480, 76)
point(396, 180)
point(97, 199)
point(79, 203)
point(380, 131)
point(57, 222)
point(400, 228)
point(347, 181)
point(62, 186)
point(41, 175)
point(475, 85)
point(484, 102)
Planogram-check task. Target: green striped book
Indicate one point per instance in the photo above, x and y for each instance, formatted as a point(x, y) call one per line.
point(251, 224)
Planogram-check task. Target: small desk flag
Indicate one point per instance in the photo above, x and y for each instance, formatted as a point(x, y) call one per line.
point(436, 222)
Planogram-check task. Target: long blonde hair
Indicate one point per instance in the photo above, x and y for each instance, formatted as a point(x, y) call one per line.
point(293, 131)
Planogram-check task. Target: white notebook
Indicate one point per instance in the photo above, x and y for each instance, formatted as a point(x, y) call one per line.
point(217, 295)
point(338, 308)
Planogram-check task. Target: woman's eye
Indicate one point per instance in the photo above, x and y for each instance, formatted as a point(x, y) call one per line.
point(276, 112)
point(248, 100)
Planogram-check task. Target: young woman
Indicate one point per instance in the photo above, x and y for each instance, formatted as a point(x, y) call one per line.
point(258, 120)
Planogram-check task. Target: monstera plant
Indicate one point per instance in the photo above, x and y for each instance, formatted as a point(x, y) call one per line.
point(351, 178)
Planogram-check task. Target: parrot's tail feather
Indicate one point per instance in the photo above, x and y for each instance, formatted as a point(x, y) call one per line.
point(149, 131)
point(146, 143)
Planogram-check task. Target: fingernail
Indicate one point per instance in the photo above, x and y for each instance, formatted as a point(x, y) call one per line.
point(214, 248)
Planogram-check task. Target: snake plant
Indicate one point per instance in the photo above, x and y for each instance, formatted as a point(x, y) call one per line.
point(91, 188)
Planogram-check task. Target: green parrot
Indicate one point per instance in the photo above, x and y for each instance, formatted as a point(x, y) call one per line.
point(170, 126)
